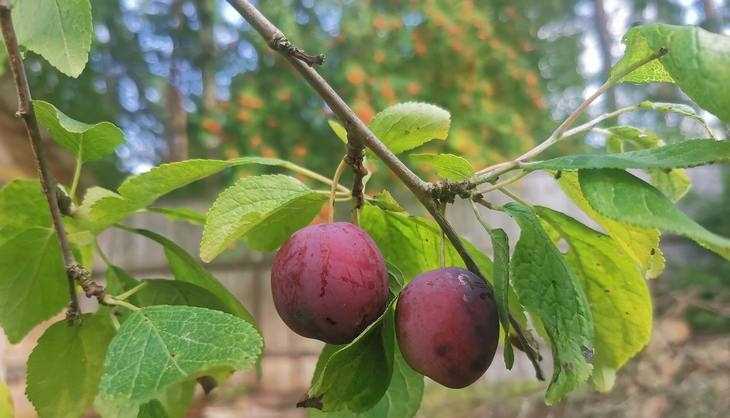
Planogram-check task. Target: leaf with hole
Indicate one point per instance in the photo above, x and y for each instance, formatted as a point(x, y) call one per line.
point(621, 196)
point(161, 346)
point(697, 61)
point(547, 288)
point(405, 126)
point(617, 295)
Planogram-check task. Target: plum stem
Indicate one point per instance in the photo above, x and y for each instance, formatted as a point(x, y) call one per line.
point(333, 192)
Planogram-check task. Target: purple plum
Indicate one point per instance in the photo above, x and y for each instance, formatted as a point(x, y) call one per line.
point(447, 326)
point(329, 282)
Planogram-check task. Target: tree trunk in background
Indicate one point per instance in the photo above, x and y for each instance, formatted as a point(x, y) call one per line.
point(207, 53)
point(16, 157)
point(713, 21)
point(604, 41)
point(177, 121)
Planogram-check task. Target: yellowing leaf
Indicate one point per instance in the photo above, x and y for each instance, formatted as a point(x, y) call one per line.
point(641, 244)
point(617, 295)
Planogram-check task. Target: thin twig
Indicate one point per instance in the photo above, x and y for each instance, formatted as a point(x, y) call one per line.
point(25, 111)
point(493, 172)
point(353, 124)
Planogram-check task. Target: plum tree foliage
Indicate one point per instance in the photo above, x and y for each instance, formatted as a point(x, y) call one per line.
point(393, 298)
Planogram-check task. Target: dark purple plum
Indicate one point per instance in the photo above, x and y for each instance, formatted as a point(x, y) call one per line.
point(329, 282)
point(447, 326)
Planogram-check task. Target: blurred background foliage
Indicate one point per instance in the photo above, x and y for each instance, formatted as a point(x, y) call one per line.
point(189, 78)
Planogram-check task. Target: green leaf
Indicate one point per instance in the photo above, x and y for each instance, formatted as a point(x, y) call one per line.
point(22, 204)
point(617, 295)
point(674, 183)
point(6, 402)
point(413, 244)
point(64, 368)
point(181, 214)
point(500, 275)
point(59, 31)
point(152, 409)
point(264, 210)
point(3, 59)
point(621, 196)
point(547, 288)
point(355, 376)
point(697, 61)
point(139, 191)
point(86, 142)
point(177, 399)
point(642, 244)
point(448, 166)
point(338, 129)
point(173, 292)
point(404, 390)
point(33, 285)
point(160, 346)
point(682, 154)
point(405, 126)
point(186, 269)
point(638, 49)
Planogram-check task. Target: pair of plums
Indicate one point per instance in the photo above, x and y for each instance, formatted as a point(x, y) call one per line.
point(329, 282)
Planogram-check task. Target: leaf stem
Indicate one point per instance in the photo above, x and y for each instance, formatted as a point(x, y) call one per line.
point(110, 300)
point(26, 112)
point(335, 181)
point(514, 196)
point(313, 175)
point(77, 176)
point(129, 293)
point(479, 217)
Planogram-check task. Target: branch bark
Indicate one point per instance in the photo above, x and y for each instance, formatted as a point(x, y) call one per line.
point(48, 184)
point(303, 64)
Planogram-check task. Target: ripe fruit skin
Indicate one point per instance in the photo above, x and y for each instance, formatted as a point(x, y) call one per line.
point(329, 282)
point(447, 326)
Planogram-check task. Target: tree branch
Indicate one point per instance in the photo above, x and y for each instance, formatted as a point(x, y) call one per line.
point(48, 184)
point(356, 127)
